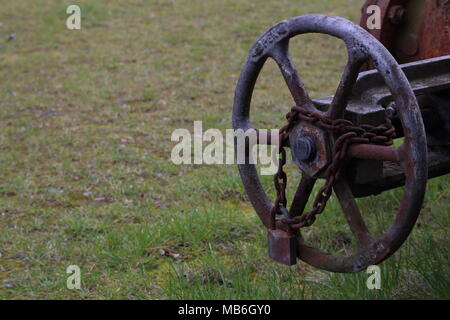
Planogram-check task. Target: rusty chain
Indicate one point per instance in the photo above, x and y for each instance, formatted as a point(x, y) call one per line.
point(345, 134)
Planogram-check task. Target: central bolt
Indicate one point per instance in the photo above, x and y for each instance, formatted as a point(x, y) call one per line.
point(304, 148)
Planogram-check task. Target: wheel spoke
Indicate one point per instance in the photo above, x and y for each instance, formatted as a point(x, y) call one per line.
point(376, 152)
point(344, 90)
point(302, 194)
point(280, 54)
point(352, 213)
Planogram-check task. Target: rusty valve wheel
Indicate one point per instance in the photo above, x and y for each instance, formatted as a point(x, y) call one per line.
point(411, 155)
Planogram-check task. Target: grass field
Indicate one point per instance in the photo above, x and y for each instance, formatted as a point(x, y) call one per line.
point(86, 118)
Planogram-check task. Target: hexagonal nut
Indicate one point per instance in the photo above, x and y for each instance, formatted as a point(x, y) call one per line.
point(314, 166)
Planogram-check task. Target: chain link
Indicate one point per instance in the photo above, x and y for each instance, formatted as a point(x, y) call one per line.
point(346, 133)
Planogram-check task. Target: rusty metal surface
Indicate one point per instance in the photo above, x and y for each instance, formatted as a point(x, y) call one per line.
point(435, 33)
point(361, 48)
point(282, 247)
point(391, 17)
point(412, 30)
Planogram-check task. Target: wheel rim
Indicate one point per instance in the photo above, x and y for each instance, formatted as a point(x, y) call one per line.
point(412, 155)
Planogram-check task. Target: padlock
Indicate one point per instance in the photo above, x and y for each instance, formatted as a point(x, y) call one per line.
point(282, 244)
point(282, 247)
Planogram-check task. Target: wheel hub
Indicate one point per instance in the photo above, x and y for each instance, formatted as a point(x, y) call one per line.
point(310, 148)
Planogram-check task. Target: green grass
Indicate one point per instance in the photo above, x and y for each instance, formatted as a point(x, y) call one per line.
point(85, 176)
